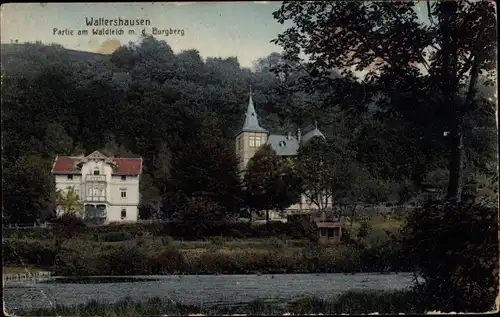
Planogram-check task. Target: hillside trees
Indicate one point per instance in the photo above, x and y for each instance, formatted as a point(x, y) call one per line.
point(144, 100)
point(419, 68)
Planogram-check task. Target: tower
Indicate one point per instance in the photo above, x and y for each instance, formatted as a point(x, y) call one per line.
point(250, 137)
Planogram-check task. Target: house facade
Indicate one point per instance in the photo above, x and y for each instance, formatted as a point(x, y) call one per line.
point(252, 136)
point(108, 187)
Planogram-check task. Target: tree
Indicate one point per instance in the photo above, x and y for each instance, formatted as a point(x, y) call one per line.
point(289, 187)
point(28, 189)
point(67, 201)
point(151, 199)
point(199, 215)
point(206, 167)
point(460, 272)
point(316, 170)
point(269, 182)
point(409, 62)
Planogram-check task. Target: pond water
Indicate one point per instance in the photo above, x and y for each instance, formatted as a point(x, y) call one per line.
point(193, 289)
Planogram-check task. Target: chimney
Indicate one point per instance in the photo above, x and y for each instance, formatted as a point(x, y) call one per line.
point(298, 134)
point(289, 136)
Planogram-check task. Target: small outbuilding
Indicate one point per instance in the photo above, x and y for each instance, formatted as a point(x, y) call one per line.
point(329, 231)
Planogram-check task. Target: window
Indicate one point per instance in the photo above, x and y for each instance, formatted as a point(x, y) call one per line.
point(323, 232)
point(124, 178)
point(258, 141)
point(124, 213)
point(70, 177)
point(330, 232)
point(124, 194)
point(96, 172)
point(240, 146)
point(255, 141)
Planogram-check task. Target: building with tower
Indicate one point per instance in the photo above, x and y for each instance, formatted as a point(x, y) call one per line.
point(252, 136)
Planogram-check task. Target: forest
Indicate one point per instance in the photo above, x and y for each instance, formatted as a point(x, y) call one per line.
point(180, 113)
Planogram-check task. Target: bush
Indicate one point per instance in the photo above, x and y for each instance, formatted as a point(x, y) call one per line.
point(170, 261)
point(28, 252)
point(295, 230)
point(454, 248)
point(235, 233)
point(123, 260)
point(364, 230)
point(114, 236)
point(217, 241)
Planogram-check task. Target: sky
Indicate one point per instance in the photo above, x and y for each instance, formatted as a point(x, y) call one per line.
point(215, 29)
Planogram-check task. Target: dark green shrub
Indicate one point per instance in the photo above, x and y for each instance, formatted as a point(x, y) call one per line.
point(364, 230)
point(167, 240)
point(454, 248)
point(301, 226)
point(73, 263)
point(27, 233)
point(217, 241)
point(123, 260)
point(235, 233)
point(114, 236)
point(28, 252)
point(168, 261)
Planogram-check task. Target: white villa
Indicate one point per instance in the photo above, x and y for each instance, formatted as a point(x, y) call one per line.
point(252, 136)
point(108, 187)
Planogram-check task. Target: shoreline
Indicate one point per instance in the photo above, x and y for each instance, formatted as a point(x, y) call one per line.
point(277, 273)
point(7, 276)
point(369, 301)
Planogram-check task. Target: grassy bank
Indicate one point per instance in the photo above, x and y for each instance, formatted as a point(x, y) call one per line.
point(155, 255)
point(384, 302)
point(291, 230)
point(20, 269)
point(99, 251)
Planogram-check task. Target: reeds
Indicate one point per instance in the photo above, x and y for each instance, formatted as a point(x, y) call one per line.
point(352, 302)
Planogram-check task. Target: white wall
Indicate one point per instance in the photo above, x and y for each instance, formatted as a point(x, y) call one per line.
point(63, 183)
point(307, 204)
point(130, 186)
point(114, 213)
point(104, 169)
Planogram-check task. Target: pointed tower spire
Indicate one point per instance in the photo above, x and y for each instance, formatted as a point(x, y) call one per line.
point(251, 122)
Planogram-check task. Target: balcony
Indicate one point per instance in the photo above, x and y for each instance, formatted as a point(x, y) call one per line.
point(95, 178)
point(95, 198)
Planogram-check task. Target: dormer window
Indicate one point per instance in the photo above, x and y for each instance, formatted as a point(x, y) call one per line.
point(282, 144)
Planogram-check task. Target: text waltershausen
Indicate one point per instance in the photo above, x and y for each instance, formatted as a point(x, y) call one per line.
point(116, 22)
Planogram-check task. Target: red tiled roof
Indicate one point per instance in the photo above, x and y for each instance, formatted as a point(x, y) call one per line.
point(64, 164)
point(127, 166)
point(124, 166)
